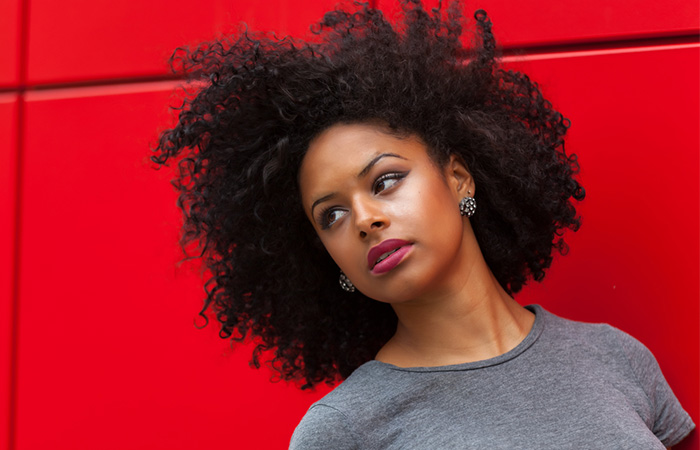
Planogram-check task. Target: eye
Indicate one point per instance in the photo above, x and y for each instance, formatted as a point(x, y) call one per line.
point(330, 216)
point(388, 180)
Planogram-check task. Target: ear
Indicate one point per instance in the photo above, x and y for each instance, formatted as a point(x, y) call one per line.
point(459, 178)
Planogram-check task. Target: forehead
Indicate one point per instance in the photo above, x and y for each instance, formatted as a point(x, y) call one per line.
point(350, 143)
point(344, 150)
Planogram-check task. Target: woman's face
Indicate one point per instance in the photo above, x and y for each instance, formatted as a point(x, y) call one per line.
point(385, 212)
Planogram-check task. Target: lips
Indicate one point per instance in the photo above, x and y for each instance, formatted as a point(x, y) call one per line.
point(387, 255)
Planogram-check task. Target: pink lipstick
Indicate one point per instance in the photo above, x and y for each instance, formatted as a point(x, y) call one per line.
point(387, 255)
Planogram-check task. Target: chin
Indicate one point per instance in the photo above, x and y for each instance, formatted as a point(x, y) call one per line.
point(405, 285)
point(403, 294)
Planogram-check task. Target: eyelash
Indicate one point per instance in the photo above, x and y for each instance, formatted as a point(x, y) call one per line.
point(398, 176)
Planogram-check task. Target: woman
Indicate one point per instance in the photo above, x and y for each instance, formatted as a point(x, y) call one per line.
point(367, 204)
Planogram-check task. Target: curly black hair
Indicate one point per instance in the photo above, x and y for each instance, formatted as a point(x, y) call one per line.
point(241, 137)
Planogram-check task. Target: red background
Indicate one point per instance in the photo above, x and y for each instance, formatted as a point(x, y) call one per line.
point(97, 343)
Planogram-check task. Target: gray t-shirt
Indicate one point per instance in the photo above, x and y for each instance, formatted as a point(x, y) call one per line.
point(567, 385)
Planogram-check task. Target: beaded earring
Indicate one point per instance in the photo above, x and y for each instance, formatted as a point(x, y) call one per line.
point(345, 283)
point(467, 207)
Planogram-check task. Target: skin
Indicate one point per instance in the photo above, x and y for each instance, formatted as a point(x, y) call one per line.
point(372, 186)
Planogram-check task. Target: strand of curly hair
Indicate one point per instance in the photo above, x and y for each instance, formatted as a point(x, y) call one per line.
point(239, 142)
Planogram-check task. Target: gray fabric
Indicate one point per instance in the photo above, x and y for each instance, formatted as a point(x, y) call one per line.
point(568, 385)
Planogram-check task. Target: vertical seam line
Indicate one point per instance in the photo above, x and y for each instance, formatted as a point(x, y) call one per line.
point(20, 134)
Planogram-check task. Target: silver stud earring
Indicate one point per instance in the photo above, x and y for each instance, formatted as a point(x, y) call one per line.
point(345, 283)
point(467, 207)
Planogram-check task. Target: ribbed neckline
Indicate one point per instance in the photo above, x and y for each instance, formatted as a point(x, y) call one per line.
point(532, 336)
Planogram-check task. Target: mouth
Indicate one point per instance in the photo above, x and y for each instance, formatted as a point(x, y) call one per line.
point(387, 255)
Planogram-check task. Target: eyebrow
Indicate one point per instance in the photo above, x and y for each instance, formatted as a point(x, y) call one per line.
point(362, 173)
point(321, 200)
point(374, 161)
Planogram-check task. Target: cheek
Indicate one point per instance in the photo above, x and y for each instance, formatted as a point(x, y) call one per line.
point(340, 250)
point(432, 204)
point(446, 230)
point(439, 222)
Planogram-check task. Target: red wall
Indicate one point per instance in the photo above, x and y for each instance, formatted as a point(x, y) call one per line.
point(97, 343)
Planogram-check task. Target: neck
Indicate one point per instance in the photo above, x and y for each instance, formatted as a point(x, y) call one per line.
point(473, 321)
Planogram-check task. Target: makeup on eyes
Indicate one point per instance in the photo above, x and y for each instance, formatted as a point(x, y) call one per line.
point(362, 174)
point(322, 218)
point(396, 176)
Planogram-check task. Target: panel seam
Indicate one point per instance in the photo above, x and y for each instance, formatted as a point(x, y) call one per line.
point(16, 250)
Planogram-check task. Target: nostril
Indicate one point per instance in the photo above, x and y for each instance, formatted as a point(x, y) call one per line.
point(362, 234)
point(376, 225)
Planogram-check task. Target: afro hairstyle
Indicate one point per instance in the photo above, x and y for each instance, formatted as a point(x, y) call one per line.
point(260, 100)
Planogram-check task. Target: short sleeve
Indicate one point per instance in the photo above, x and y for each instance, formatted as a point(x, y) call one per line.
point(322, 428)
point(671, 422)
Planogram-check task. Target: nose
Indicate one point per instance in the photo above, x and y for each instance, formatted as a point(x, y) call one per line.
point(369, 216)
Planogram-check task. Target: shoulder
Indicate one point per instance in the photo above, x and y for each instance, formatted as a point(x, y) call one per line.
point(332, 421)
point(626, 362)
point(600, 343)
point(592, 336)
point(323, 427)
point(359, 388)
